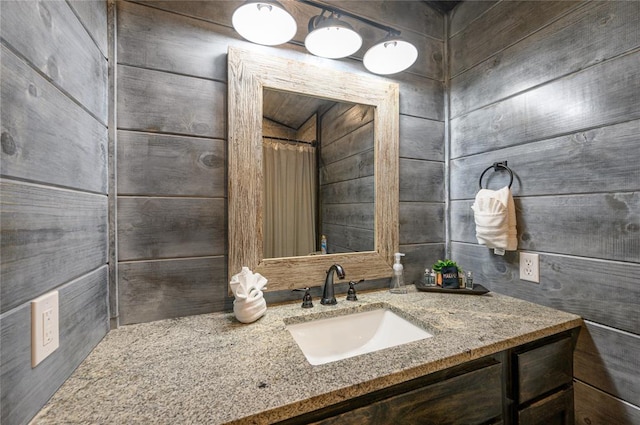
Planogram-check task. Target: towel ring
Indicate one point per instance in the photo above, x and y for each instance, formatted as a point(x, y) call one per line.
point(496, 166)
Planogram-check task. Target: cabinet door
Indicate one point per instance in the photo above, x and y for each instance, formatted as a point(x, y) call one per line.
point(557, 409)
point(544, 369)
point(471, 398)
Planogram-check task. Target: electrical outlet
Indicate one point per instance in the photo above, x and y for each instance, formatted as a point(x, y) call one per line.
point(47, 326)
point(45, 333)
point(529, 267)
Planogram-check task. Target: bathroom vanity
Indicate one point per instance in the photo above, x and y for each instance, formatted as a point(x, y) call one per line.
point(531, 384)
point(492, 359)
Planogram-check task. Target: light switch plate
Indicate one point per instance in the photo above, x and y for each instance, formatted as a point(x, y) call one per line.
point(529, 267)
point(45, 332)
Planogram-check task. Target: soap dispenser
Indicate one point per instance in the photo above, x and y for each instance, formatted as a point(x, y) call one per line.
point(397, 280)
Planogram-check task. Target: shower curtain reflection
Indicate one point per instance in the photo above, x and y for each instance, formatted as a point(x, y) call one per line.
point(290, 185)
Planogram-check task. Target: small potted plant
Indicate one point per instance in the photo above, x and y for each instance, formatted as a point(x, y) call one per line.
point(447, 271)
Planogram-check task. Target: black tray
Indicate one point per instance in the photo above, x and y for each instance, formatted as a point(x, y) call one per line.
point(477, 289)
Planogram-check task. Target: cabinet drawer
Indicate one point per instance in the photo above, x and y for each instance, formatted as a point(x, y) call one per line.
point(544, 369)
point(557, 409)
point(472, 398)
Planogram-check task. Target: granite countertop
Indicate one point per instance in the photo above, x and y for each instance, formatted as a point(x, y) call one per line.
point(211, 369)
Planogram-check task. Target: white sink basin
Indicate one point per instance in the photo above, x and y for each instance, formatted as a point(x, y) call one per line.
point(336, 338)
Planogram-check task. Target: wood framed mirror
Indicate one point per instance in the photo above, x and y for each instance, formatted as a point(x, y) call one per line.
point(249, 73)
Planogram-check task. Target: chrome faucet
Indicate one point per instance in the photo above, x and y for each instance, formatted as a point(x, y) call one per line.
point(328, 297)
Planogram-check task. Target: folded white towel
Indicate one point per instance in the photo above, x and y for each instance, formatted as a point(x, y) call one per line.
point(249, 304)
point(495, 217)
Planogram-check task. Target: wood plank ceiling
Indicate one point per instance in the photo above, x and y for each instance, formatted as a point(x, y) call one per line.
point(444, 6)
point(291, 109)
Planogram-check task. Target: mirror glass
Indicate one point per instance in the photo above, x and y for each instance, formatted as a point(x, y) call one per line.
point(318, 167)
point(254, 75)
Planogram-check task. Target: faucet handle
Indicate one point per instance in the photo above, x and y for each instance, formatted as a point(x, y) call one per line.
point(306, 299)
point(351, 293)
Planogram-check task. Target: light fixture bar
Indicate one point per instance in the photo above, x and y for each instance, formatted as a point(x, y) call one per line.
point(267, 22)
point(341, 12)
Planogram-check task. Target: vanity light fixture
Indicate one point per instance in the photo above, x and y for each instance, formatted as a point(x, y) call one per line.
point(264, 22)
point(392, 54)
point(330, 37)
point(267, 22)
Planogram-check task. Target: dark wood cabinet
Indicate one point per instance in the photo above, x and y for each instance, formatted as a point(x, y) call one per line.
point(543, 378)
point(556, 409)
point(544, 369)
point(528, 385)
point(472, 398)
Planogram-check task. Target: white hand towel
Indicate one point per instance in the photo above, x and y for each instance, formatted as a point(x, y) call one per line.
point(495, 217)
point(249, 304)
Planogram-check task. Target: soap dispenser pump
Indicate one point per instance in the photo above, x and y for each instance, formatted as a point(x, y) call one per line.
point(397, 280)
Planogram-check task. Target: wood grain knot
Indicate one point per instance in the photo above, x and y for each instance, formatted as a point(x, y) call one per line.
point(52, 68)
point(44, 14)
point(33, 90)
point(605, 20)
point(210, 160)
point(8, 144)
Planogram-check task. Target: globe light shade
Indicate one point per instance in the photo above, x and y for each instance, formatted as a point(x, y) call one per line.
point(332, 38)
point(264, 22)
point(390, 56)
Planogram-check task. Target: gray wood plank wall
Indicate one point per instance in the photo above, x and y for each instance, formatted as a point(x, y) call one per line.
point(53, 208)
point(54, 41)
point(171, 155)
point(346, 173)
point(557, 96)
